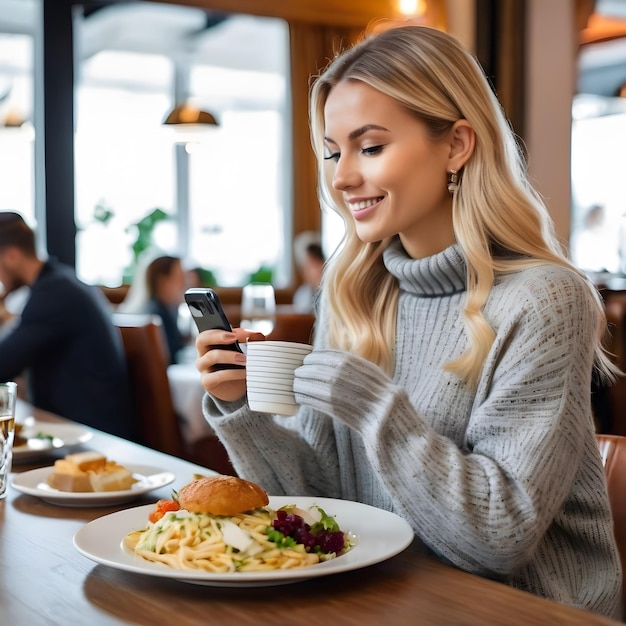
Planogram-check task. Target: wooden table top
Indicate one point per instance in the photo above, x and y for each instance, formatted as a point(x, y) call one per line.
point(44, 580)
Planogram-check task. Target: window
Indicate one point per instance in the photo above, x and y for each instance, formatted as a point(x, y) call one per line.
point(17, 134)
point(599, 216)
point(124, 165)
point(224, 194)
point(598, 241)
point(240, 192)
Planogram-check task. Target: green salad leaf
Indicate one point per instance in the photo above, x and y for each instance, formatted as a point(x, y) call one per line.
point(327, 522)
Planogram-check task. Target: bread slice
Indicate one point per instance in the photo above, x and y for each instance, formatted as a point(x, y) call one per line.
point(89, 471)
point(114, 478)
point(67, 476)
point(86, 461)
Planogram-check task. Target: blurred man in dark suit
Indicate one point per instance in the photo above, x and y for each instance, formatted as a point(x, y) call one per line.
point(64, 341)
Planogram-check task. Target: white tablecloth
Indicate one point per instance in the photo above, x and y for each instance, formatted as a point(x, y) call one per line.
point(187, 393)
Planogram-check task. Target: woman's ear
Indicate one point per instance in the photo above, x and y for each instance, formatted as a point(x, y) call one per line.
point(462, 142)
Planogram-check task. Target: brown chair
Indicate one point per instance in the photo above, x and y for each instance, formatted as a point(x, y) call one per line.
point(115, 295)
point(615, 343)
point(147, 359)
point(289, 325)
point(159, 426)
point(296, 327)
point(613, 452)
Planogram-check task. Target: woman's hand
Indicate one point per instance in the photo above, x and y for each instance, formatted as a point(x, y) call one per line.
point(225, 384)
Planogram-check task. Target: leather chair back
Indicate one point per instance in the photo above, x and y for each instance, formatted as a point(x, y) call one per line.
point(615, 343)
point(613, 452)
point(296, 327)
point(146, 357)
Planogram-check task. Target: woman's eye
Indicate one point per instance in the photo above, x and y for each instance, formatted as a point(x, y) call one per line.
point(331, 156)
point(372, 150)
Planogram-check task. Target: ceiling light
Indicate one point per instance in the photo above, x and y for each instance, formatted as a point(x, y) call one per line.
point(189, 124)
point(187, 114)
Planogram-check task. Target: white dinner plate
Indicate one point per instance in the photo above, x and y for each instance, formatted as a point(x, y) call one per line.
point(46, 437)
point(34, 483)
point(379, 535)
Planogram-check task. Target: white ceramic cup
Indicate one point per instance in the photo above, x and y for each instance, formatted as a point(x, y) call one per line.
point(270, 371)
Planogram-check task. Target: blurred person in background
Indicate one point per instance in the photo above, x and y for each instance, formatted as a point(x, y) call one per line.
point(595, 245)
point(63, 340)
point(310, 260)
point(11, 306)
point(158, 288)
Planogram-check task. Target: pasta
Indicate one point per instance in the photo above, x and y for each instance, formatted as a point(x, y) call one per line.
point(218, 544)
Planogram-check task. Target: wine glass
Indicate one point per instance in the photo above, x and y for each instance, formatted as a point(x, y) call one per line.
point(258, 307)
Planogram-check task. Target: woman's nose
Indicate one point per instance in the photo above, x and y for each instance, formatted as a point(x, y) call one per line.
point(346, 174)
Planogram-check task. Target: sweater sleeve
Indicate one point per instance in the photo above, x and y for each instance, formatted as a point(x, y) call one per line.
point(483, 506)
point(287, 455)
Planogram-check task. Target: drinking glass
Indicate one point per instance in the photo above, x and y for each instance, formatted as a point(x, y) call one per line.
point(8, 394)
point(258, 307)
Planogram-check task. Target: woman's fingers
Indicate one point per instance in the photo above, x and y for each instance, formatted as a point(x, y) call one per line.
point(221, 366)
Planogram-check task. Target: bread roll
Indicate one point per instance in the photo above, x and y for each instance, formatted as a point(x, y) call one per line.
point(113, 477)
point(221, 495)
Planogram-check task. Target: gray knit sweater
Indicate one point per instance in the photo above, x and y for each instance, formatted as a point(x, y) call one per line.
point(504, 481)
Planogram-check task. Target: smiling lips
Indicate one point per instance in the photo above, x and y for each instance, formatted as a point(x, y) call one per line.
point(357, 206)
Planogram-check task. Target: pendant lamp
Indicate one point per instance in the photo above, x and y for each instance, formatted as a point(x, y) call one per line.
point(189, 123)
point(188, 114)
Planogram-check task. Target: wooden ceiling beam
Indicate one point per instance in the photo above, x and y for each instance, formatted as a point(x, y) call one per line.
point(345, 13)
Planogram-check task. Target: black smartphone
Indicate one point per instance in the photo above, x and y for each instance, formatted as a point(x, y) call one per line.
point(208, 314)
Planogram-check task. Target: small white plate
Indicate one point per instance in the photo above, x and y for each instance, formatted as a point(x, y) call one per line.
point(34, 483)
point(46, 437)
point(379, 536)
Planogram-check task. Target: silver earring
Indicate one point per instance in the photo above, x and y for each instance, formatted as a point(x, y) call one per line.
point(453, 182)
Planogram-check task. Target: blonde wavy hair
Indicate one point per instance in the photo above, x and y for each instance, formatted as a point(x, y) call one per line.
point(499, 220)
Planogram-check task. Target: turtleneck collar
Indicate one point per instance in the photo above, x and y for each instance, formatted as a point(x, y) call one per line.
point(437, 275)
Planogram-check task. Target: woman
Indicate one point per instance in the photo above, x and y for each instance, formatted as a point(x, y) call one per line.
point(452, 365)
point(159, 288)
point(310, 260)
